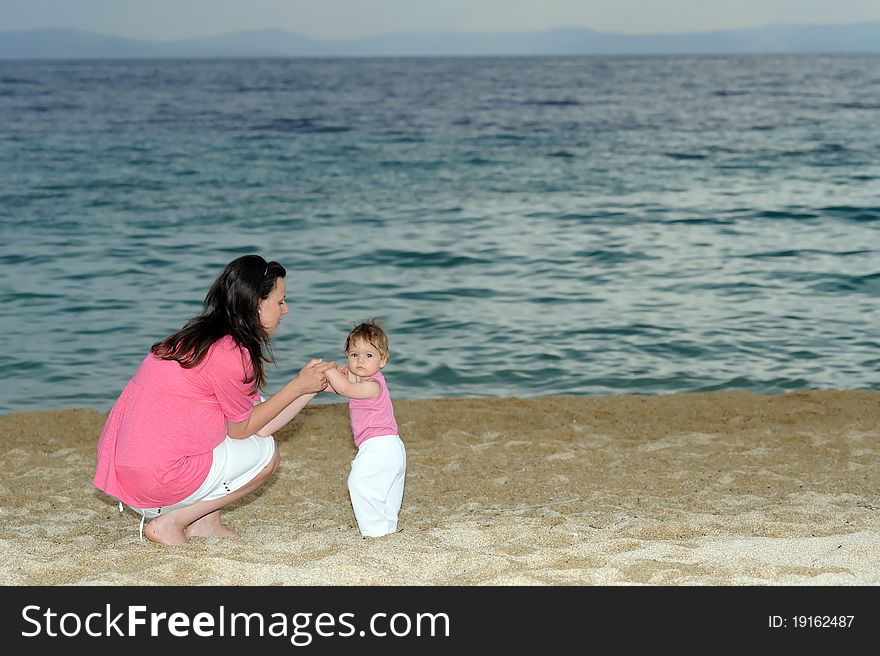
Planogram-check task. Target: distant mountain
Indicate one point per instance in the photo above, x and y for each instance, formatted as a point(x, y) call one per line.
point(73, 44)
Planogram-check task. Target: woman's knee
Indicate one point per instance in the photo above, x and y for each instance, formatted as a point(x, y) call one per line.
point(266, 472)
point(272, 465)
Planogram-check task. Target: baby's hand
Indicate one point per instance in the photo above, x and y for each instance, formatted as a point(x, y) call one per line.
point(341, 368)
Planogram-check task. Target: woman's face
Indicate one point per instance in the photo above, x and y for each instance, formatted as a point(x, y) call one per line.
point(274, 308)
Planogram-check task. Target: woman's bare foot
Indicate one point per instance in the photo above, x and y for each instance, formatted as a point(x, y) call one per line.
point(164, 532)
point(209, 526)
point(219, 532)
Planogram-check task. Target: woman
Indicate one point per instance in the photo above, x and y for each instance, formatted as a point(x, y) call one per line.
point(189, 434)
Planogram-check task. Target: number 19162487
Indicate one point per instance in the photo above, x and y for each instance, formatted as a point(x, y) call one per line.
point(811, 621)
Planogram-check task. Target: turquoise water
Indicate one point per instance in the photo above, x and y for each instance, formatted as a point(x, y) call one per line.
point(524, 226)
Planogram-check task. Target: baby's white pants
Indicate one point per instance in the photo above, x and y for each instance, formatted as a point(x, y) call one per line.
point(375, 484)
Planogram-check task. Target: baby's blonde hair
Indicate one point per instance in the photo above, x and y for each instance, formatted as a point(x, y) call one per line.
point(370, 332)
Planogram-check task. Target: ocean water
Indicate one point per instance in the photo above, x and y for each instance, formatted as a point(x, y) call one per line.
point(523, 226)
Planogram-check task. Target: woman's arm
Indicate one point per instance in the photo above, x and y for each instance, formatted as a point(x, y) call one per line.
point(362, 389)
point(286, 415)
point(310, 380)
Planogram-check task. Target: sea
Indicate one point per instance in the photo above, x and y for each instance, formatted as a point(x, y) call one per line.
point(522, 226)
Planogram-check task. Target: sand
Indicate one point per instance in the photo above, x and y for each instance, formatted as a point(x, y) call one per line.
point(725, 488)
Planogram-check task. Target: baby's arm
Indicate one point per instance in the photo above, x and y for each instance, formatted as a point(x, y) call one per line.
point(352, 386)
point(341, 368)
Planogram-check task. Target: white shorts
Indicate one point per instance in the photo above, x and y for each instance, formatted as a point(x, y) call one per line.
point(236, 463)
point(375, 484)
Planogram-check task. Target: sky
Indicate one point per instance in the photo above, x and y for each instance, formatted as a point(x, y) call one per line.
point(346, 19)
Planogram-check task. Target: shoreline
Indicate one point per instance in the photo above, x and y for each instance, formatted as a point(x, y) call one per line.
point(713, 488)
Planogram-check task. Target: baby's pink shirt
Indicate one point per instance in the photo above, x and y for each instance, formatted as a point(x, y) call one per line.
point(156, 447)
point(372, 417)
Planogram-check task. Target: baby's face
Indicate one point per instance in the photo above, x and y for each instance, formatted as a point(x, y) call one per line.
point(364, 359)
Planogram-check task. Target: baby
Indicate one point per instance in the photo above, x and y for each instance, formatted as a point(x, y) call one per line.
point(375, 483)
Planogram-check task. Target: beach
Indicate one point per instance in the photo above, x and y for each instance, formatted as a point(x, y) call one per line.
point(722, 488)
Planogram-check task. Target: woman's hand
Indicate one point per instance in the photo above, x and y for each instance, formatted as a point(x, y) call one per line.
point(313, 377)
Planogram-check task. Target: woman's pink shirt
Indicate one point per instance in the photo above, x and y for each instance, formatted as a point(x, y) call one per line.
point(156, 447)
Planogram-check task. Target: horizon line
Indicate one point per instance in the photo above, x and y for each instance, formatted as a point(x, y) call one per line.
point(439, 31)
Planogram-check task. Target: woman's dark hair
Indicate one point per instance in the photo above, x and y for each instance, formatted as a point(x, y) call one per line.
point(231, 308)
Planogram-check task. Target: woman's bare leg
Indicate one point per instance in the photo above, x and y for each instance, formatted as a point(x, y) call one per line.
point(172, 528)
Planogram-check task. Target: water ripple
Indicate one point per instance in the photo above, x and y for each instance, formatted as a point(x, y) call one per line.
point(523, 226)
